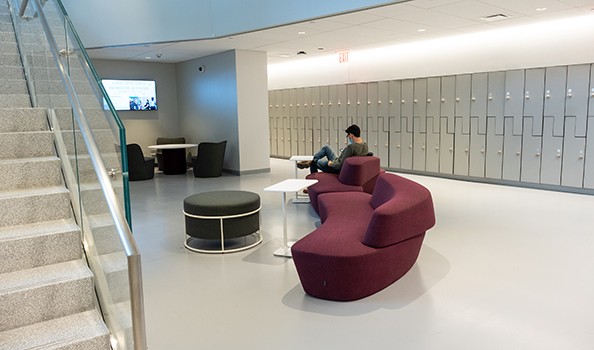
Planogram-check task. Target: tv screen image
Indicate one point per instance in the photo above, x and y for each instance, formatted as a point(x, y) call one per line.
point(131, 95)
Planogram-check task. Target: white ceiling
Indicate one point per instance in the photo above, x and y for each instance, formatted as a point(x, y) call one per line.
point(388, 25)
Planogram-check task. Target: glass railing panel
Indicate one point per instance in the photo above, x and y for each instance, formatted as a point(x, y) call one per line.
point(91, 143)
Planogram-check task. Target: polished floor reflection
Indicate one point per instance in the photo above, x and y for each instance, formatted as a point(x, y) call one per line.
point(504, 268)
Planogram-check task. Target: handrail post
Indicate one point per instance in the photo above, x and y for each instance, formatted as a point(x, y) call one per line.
point(23, 8)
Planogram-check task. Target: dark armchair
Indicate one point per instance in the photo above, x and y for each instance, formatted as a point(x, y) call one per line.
point(209, 160)
point(139, 166)
point(166, 141)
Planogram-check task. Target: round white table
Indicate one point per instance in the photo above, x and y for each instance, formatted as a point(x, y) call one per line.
point(174, 157)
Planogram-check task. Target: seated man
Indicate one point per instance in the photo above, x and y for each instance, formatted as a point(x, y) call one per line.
point(327, 161)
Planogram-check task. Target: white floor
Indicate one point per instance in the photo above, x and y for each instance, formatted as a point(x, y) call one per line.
point(504, 268)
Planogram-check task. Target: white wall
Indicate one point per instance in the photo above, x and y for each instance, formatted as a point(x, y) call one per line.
point(116, 22)
point(547, 44)
point(143, 127)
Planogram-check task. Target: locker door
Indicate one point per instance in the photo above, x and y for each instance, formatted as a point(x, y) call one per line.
point(371, 102)
point(462, 125)
point(461, 150)
point(293, 125)
point(406, 124)
point(337, 135)
point(280, 134)
point(494, 151)
point(577, 96)
point(574, 149)
point(552, 150)
point(495, 125)
point(446, 149)
point(531, 152)
point(555, 83)
point(283, 144)
point(512, 152)
point(272, 121)
point(406, 149)
point(477, 150)
point(433, 101)
point(432, 162)
point(534, 98)
point(351, 102)
point(362, 101)
point(314, 121)
point(514, 99)
point(301, 123)
point(324, 117)
point(420, 124)
point(336, 110)
point(383, 99)
point(372, 135)
point(478, 124)
point(383, 141)
point(591, 99)
point(395, 106)
point(589, 161)
point(395, 143)
point(448, 102)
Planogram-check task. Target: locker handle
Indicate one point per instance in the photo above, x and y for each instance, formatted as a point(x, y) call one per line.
point(581, 156)
point(518, 153)
point(397, 146)
point(499, 152)
point(483, 151)
point(473, 98)
point(457, 99)
point(466, 150)
point(538, 154)
point(437, 148)
point(402, 101)
point(442, 99)
point(423, 147)
point(393, 101)
point(379, 102)
point(569, 93)
point(410, 146)
point(416, 100)
point(592, 94)
point(558, 153)
point(428, 100)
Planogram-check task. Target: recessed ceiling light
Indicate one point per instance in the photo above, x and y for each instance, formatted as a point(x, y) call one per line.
point(421, 30)
point(147, 57)
point(541, 9)
point(284, 55)
point(320, 49)
point(300, 33)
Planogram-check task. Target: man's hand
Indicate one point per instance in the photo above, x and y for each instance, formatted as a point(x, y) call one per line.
point(330, 163)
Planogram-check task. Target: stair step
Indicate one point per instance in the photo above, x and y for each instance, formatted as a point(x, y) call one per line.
point(13, 87)
point(81, 331)
point(15, 100)
point(10, 59)
point(23, 173)
point(12, 72)
point(105, 235)
point(23, 119)
point(93, 199)
point(115, 267)
point(26, 144)
point(35, 245)
point(44, 293)
point(34, 205)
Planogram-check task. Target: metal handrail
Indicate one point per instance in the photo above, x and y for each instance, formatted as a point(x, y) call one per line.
point(122, 227)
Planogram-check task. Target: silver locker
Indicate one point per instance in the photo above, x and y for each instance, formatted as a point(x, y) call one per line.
point(420, 103)
point(494, 151)
point(477, 149)
point(514, 99)
point(395, 106)
point(478, 101)
point(383, 141)
point(351, 100)
point(371, 101)
point(461, 150)
point(448, 102)
point(531, 152)
point(554, 107)
point(495, 100)
point(552, 152)
point(463, 86)
point(315, 118)
point(280, 135)
point(301, 122)
point(406, 103)
point(383, 99)
point(324, 99)
point(432, 163)
point(406, 151)
point(446, 149)
point(361, 102)
point(589, 161)
point(512, 151)
point(372, 134)
point(273, 137)
point(591, 103)
point(577, 96)
point(534, 99)
point(293, 125)
point(574, 153)
point(395, 142)
point(419, 145)
point(433, 101)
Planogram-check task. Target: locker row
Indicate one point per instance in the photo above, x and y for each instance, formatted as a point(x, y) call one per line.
point(534, 125)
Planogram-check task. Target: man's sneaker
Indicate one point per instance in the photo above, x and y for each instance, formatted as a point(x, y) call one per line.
point(303, 164)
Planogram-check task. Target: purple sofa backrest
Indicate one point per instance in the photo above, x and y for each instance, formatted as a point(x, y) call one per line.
point(402, 209)
point(356, 171)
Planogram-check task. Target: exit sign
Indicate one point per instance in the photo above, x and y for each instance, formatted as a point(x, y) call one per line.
point(343, 56)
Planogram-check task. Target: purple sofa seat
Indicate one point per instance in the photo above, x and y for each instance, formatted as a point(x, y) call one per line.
point(366, 241)
point(358, 174)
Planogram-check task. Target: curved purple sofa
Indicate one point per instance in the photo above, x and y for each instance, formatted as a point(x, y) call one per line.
point(358, 174)
point(366, 241)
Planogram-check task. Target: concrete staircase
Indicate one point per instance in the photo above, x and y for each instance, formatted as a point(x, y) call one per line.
point(47, 293)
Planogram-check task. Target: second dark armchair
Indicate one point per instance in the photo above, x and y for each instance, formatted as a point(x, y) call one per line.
point(209, 160)
point(139, 166)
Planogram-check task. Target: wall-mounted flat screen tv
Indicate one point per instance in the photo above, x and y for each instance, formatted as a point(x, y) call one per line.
point(131, 95)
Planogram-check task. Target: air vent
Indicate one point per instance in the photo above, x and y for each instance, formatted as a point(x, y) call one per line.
point(493, 18)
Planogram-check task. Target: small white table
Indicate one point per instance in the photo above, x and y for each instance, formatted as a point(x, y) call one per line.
point(299, 198)
point(289, 185)
point(174, 155)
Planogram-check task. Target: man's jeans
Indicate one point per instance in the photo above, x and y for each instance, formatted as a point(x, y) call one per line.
point(321, 159)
